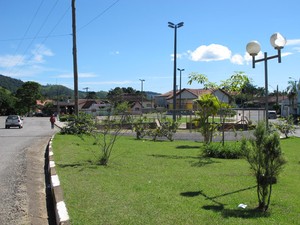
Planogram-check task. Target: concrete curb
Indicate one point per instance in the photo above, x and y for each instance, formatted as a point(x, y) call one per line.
point(61, 212)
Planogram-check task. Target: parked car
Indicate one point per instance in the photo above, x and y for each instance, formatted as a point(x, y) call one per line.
point(272, 114)
point(13, 121)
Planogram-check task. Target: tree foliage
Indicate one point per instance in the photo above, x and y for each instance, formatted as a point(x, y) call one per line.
point(208, 105)
point(116, 95)
point(27, 95)
point(286, 126)
point(7, 102)
point(82, 124)
point(107, 135)
point(235, 84)
point(164, 128)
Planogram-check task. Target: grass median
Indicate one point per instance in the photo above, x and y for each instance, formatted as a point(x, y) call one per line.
point(166, 182)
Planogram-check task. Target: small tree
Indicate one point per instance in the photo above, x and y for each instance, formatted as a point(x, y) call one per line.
point(141, 127)
point(208, 106)
point(286, 126)
point(235, 84)
point(27, 95)
point(264, 155)
point(7, 102)
point(166, 129)
point(107, 134)
point(83, 124)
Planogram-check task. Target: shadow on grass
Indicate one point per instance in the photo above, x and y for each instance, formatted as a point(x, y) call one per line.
point(83, 164)
point(217, 206)
point(173, 156)
point(233, 192)
point(203, 161)
point(187, 147)
point(197, 161)
point(244, 213)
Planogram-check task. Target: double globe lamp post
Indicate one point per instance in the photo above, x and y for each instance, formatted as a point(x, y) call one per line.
point(253, 48)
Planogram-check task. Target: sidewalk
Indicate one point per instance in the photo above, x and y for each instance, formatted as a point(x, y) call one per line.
point(297, 131)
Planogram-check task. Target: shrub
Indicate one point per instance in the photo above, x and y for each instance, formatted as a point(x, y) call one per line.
point(83, 124)
point(65, 118)
point(106, 137)
point(230, 150)
point(141, 127)
point(286, 126)
point(263, 153)
point(166, 129)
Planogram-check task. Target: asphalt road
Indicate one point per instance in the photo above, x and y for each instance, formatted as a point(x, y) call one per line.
point(22, 179)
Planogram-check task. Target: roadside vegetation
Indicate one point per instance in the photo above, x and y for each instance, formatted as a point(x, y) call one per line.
point(165, 182)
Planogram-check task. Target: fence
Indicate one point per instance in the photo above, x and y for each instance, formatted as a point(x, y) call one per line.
point(242, 115)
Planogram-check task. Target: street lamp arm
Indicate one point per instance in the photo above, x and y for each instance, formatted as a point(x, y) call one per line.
point(269, 57)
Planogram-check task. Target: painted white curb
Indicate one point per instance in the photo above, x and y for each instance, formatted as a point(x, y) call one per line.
point(55, 181)
point(62, 211)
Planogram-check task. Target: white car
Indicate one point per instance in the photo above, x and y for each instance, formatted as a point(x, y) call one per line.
point(272, 114)
point(13, 121)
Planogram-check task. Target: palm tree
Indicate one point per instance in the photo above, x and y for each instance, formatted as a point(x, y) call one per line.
point(292, 93)
point(208, 105)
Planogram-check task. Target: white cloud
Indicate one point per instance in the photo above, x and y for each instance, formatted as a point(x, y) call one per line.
point(114, 53)
point(213, 52)
point(39, 52)
point(8, 61)
point(293, 42)
point(86, 75)
point(108, 82)
point(19, 65)
point(297, 49)
point(179, 56)
point(65, 75)
point(81, 75)
point(237, 59)
point(286, 54)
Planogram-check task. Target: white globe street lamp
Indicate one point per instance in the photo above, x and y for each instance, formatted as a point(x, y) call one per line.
point(253, 48)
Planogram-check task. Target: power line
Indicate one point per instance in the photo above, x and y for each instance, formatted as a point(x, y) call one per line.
point(99, 15)
point(49, 34)
point(38, 37)
point(31, 22)
point(42, 25)
point(22, 39)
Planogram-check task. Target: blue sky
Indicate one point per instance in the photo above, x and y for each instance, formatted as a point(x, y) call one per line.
point(120, 42)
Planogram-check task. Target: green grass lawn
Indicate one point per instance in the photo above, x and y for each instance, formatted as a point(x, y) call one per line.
point(165, 183)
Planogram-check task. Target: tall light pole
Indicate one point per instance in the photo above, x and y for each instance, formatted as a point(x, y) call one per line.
point(142, 89)
point(175, 26)
point(253, 48)
point(180, 70)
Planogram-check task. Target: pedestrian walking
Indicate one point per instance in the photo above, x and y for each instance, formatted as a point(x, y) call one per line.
point(52, 121)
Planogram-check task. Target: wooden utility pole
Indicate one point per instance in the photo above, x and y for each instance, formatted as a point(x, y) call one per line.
point(75, 58)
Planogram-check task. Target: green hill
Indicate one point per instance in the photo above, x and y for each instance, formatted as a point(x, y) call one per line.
point(10, 84)
point(54, 91)
point(49, 91)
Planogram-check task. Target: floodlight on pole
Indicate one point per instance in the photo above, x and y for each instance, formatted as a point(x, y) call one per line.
point(175, 26)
